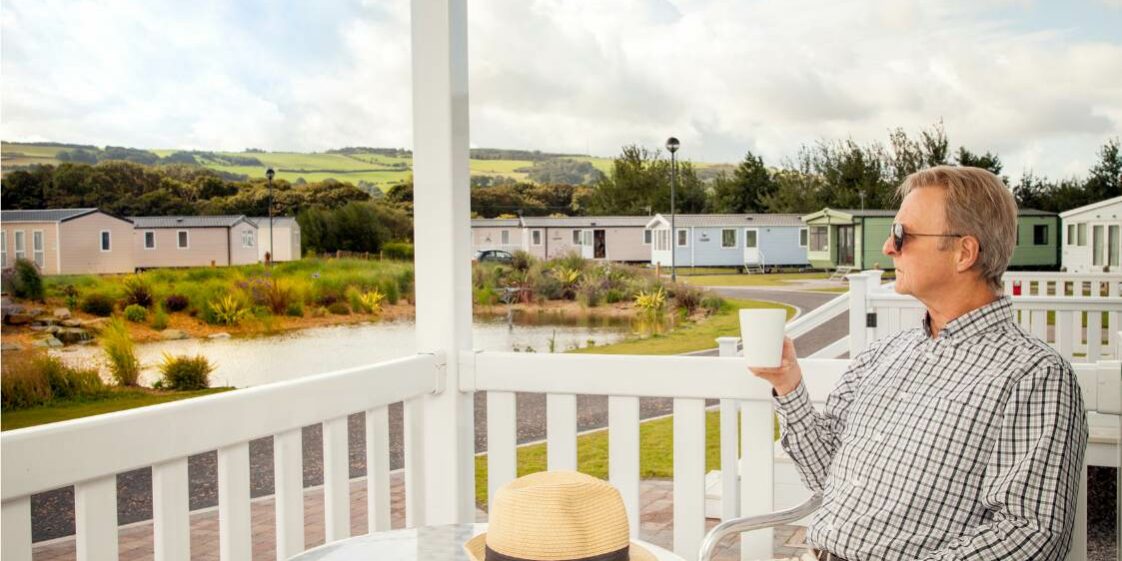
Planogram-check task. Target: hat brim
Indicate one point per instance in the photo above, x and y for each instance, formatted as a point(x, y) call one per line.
point(476, 550)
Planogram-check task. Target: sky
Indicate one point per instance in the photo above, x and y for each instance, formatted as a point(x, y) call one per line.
point(1039, 83)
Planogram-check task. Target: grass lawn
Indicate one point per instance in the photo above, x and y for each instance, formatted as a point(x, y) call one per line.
point(691, 337)
point(119, 399)
point(773, 279)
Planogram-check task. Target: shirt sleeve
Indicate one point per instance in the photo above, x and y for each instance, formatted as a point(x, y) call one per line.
point(1032, 477)
point(812, 438)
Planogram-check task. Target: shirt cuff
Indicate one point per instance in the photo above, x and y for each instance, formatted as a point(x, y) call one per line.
point(795, 408)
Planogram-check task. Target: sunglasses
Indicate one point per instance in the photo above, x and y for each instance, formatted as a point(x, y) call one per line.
point(899, 234)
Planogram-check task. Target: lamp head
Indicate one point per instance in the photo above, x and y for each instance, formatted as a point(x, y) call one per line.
point(269, 173)
point(672, 144)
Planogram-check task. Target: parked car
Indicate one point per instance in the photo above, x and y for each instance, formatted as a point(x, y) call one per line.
point(494, 256)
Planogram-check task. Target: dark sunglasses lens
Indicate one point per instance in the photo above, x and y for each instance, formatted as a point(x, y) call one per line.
point(898, 236)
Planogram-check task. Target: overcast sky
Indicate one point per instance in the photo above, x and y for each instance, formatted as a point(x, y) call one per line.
point(1038, 82)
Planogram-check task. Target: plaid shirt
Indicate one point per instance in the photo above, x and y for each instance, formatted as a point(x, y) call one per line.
point(965, 446)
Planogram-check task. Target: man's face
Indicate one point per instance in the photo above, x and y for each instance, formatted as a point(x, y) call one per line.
point(922, 269)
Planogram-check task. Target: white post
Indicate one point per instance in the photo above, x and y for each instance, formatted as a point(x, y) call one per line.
point(442, 258)
point(730, 441)
point(858, 305)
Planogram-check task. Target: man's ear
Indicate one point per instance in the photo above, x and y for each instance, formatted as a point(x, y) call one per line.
point(968, 249)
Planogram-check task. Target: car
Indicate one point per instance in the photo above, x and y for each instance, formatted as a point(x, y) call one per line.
point(494, 256)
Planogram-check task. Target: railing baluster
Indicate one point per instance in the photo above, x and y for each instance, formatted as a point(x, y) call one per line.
point(689, 476)
point(1065, 333)
point(171, 511)
point(1113, 319)
point(336, 481)
point(730, 459)
point(235, 541)
point(623, 454)
point(414, 453)
point(15, 530)
point(757, 464)
point(1094, 336)
point(502, 451)
point(95, 518)
point(378, 469)
point(1039, 321)
point(288, 480)
point(561, 431)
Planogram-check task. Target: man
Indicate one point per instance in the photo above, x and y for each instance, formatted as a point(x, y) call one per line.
point(962, 439)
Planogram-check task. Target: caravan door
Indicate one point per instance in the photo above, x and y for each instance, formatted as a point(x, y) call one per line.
point(752, 246)
point(586, 244)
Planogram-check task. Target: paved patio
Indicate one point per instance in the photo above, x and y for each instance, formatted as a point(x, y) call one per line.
point(135, 540)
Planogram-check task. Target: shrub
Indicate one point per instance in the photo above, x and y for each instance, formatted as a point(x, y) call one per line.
point(159, 319)
point(391, 291)
point(651, 302)
point(589, 294)
point(98, 304)
point(687, 297)
point(548, 287)
point(339, 309)
point(277, 295)
point(71, 294)
point(614, 295)
point(136, 313)
point(369, 302)
point(228, 310)
point(176, 303)
point(33, 378)
point(400, 251)
point(712, 303)
point(119, 349)
point(295, 309)
point(185, 372)
point(485, 296)
point(319, 312)
point(24, 281)
point(521, 260)
point(138, 291)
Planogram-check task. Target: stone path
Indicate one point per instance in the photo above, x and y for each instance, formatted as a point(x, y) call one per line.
point(135, 540)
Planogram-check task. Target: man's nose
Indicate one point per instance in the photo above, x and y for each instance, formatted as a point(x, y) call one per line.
point(889, 248)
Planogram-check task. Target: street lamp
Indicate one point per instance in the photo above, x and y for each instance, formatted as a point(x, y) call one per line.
point(269, 173)
point(672, 145)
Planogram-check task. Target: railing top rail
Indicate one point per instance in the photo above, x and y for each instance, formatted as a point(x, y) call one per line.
point(50, 456)
point(1055, 275)
point(1093, 303)
point(632, 375)
point(818, 316)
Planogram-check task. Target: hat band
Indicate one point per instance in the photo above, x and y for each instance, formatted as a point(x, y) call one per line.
point(617, 555)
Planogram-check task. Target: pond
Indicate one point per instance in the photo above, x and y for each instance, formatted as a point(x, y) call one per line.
point(246, 362)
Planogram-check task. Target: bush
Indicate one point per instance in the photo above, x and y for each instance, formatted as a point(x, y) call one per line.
point(687, 297)
point(391, 291)
point(277, 295)
point(295, 309)
point(589, 294)
point(185, 373)
point(24, 281)
point(228, 310)
point(119, 349)
point(712, 303)
point(651, 302)
point(485, 296)
point(176, 303)
point(33, 378)
point(71, 294)
point(138, 291)
point(400, 251)
point(319, 312)
point(159, 319)
point(522, 260)
point(98, 304)
point(339, 309)
point(136, 313)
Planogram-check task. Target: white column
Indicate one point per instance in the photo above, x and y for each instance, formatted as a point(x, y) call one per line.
point(442, 257)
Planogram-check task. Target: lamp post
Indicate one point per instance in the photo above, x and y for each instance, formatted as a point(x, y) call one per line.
point(672, 145)
point(269, 173)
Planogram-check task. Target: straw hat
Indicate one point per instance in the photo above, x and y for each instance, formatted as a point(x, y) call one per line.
point(557, 516)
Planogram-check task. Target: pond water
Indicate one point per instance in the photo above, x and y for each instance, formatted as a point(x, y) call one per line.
point(251, 361)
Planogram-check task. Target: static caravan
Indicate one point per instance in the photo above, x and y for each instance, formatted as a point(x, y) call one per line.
point(194, 241)
point(496, 233)
point(730, 240)
point(855, 238)
point(1091, 237)
point(72, 241)
point(608, 238)
point(285, 239)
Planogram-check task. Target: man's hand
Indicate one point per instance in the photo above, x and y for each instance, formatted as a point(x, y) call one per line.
point(786, 377)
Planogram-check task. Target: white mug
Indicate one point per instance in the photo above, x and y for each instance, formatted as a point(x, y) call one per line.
point(761, 332)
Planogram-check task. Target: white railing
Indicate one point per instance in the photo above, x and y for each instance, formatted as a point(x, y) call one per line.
point(1073, 324)
point(89, 453)
point(1031, 283)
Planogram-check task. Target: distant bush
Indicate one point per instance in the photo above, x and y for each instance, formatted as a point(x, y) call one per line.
point(295, 309)
point(24, 281)
point(185, 372)
point(589, 293)
point(712, 303)
point(119, 349)
point(319, 312)
point(521, 260)
point(34, 378)
point(687, 297)
point(138, 291)
point(400, 251)
point(71, 295)
point(651, 301)
point(369, 302)
point(339, 309)
point(97, 304)
point(136, 313)
point(228, 310)
point(176, 303)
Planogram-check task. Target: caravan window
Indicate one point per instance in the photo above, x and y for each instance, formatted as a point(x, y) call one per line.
point(819, 238)
point(728, 238)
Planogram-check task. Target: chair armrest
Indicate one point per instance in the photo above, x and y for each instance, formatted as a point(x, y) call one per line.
point(749, 523)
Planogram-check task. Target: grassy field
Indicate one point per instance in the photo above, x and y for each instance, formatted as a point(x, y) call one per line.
point(689, 338)
point(383, 171)
point(735, 279)
point(119, 399)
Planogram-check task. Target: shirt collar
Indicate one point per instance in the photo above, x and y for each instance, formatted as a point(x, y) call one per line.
point(976, 321)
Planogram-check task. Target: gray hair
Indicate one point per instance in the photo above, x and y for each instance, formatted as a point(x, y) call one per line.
point(978, 205)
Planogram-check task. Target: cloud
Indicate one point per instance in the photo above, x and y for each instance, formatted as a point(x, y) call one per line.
point(725, 76)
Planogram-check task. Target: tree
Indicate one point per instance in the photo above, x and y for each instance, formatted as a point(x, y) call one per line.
point(640, 183)
point(987, 161)
point(745, 190)
point(1105, 179)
